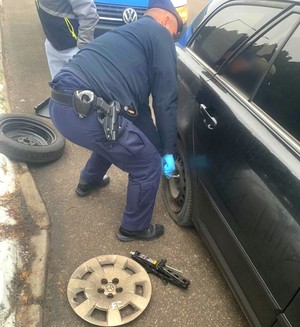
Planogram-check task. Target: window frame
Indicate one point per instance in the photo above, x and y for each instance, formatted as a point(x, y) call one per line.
point(274, 126)
point(279, 5)
point(273, 59)
point(253, 39)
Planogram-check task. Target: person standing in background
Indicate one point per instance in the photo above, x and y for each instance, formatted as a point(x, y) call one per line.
point(68, 26)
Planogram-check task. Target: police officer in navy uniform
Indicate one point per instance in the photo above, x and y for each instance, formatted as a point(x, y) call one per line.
point(125, 66)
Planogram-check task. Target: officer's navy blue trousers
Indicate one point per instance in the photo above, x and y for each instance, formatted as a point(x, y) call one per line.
point(133, 153)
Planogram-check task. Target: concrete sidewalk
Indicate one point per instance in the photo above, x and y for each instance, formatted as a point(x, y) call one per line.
point(24, 239)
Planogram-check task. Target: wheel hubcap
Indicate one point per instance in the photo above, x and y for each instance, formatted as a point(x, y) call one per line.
point(109, 290)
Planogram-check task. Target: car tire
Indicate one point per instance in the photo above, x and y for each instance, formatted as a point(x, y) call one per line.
point(177, 191)
point(29, 139)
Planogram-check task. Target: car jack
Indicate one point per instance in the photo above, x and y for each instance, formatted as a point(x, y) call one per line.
point(161, 270)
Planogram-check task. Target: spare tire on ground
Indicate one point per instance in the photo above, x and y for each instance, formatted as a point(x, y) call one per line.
point(28, 138)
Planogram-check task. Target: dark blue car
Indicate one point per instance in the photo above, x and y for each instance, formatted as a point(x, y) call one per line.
point(238, 159)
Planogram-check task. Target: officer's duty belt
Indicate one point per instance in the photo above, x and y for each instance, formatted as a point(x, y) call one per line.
point(62, 98)
point(84, 101)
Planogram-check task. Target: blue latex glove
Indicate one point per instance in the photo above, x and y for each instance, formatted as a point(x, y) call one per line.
point(168, 165)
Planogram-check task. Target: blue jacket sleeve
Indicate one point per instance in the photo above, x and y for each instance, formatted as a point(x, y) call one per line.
point(163, 78)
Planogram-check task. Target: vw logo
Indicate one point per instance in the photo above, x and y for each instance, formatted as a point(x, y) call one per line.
point(129, 15)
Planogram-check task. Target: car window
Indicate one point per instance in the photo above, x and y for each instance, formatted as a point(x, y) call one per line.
point(279, 94)
point(247, 69)
point(228, 29)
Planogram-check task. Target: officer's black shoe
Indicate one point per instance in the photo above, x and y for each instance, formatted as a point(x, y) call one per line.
point(153, 232)
point(86, 189)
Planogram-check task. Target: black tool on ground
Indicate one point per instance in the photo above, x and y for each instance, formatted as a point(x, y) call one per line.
point(161, 270)
point(42, 109)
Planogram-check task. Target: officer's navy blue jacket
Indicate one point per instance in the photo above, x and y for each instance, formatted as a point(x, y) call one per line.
point(129, 63)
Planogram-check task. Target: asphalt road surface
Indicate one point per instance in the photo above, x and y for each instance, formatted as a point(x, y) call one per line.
point(84, 228)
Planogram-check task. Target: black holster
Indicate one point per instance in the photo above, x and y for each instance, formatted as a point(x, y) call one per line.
point(108, 116)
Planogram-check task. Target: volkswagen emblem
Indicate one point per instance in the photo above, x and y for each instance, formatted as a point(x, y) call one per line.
point(129, 15)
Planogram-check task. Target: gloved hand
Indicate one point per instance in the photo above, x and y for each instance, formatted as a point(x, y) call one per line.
point(168, 165)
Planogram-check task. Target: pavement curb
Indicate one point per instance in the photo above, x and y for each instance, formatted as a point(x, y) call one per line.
point(29, 315)
point(35, 204)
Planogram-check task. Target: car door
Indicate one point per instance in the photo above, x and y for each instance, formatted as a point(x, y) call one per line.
point(245, 160)
point(291, 314)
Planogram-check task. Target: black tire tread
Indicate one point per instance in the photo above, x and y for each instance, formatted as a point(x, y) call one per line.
point(27, 153)
point(184, 217)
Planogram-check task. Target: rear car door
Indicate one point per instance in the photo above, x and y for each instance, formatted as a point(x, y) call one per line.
point(291, 314)
point(246, 156)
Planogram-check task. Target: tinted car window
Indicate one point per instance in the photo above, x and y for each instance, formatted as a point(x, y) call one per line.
point(228, 29)
point(247, 69)
point(279, 94)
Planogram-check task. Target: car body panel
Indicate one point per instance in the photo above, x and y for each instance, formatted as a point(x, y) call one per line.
point(245, 176)
point(292, 313)
point(211, 221)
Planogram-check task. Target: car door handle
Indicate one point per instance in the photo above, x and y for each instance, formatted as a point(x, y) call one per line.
point(209, 121)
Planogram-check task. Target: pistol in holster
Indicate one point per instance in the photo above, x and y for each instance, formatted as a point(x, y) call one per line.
point(107, 113)
point(108, 116)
